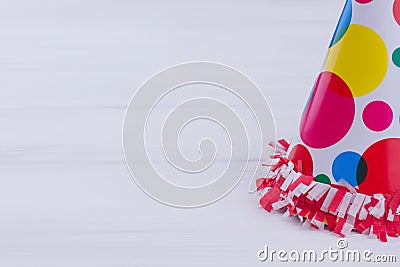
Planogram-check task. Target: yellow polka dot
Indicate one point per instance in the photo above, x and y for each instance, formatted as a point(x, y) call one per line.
point(360, 58)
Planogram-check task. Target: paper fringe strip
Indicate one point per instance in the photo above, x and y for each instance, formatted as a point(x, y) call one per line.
point(340, 207)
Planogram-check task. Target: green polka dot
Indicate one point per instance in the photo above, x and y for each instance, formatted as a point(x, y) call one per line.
point(396, 57)
point(322, 178)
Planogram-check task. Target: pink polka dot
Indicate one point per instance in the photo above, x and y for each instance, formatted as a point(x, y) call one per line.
point(396, 11)
point(364, 1)
point(329, 114)
point(377, 116)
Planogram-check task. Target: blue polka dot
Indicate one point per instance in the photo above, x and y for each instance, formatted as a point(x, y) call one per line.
point(351, 167)
point(344, 23)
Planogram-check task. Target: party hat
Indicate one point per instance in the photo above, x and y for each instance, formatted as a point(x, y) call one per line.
point(342, 172)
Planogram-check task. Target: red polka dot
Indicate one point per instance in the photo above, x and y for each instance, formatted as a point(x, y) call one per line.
point(396, 11)
point(383, 173)
point(329, 113)
point(302, 160)
point(377, 116)
point(364, 1)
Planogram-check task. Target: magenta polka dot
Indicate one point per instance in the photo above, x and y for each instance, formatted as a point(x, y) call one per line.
point(377, 116)
point(364, 1)
point(329, 114)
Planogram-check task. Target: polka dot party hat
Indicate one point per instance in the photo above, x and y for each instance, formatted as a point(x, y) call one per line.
point(342, 172)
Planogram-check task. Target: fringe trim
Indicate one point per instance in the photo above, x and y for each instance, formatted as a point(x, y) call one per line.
point(340, 207)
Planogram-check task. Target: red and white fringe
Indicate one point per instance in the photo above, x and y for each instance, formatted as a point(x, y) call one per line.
point(339, 206)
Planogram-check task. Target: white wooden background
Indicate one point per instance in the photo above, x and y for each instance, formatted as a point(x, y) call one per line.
point(68, 69)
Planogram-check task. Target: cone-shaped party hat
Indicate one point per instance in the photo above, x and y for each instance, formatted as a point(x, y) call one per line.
point(343, 169)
